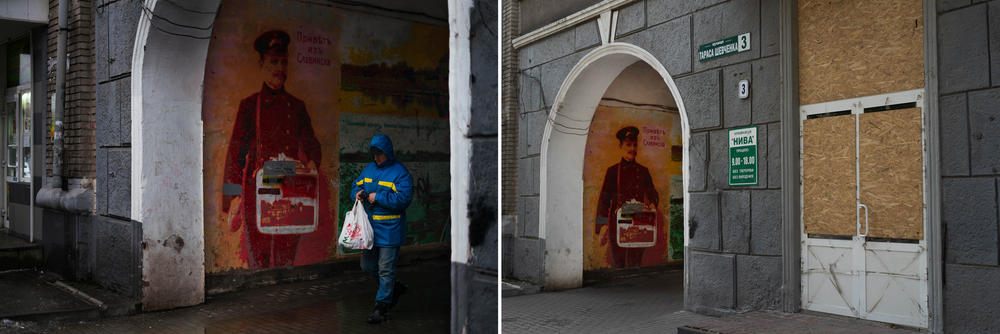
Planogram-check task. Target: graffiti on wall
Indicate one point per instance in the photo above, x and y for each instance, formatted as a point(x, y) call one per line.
point(629, 176)
point(281, 79)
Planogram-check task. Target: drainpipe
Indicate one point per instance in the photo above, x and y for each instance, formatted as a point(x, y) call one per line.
point(57, 110)
point(78, 199)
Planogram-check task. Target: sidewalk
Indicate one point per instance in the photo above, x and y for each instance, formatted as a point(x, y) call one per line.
point(337, 304)
point(644, 303)
point(653, 303)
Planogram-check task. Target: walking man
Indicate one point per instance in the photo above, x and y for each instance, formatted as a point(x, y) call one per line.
point(386, 189)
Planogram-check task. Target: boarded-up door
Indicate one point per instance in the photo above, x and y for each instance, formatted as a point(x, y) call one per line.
point(862, 214)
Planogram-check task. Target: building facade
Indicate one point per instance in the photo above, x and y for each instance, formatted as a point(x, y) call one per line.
point(138, 149)
point(793, 155)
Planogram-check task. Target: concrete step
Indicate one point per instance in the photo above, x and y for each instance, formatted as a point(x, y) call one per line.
point(16, 253)
point(779, 322)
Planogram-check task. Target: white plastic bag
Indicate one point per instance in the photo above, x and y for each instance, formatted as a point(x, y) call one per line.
point(357, 232)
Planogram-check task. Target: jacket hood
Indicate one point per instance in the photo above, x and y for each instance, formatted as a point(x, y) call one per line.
point(383, 143)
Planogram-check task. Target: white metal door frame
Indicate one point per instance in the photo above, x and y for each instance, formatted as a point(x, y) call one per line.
point(821, 277)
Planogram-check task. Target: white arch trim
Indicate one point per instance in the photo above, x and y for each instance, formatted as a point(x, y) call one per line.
point(560, 213)
point(168, 71)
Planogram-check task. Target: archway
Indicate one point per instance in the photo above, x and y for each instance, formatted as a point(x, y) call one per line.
point(633, 183)
point(169, 55)
point(562, 155)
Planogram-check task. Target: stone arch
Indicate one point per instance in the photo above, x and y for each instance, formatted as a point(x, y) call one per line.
point(562, 154)
point(168, 69)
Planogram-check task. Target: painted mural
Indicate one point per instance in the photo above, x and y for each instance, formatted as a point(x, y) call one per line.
point(631, 194)
point(293, 94)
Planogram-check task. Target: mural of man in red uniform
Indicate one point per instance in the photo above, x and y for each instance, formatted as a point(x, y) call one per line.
point(272, 164)
point(627, 205)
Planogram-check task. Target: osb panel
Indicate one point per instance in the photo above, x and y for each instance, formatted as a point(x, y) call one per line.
point(828, 175)
point(892, 174)
point(854, 48)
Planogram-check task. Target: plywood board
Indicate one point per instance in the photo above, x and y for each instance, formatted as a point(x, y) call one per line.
point(855, 48)
point(828, 161)
point(891, 168)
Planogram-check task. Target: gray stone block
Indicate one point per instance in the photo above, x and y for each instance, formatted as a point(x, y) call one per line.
point(723, 21)
point(527, 182)
point(484, 252)
point(529, 260)
point(507, 257)
point(102, 181)
point(483, 172)
point(527, 217)
point(963, 50)
point(735, 111)
point(736, 221)
point(970, 299)
point(984, 132)
point(586, 35)
point(548, 49)
point(700, 93)
point(758, 283)
point(115, 255)
point(994, 26)
point(718, 178)
point(113, 113)
point(101, 44)
point(631, 18)
point(969, 215)
point(670, 43)
point(123, 19)
point(698, 161)
point(508, 225)
point(703, 221)
point(529, 98)
point(946, 5)
point(765, 222)
point(119, 183)
point(718, 162)
point(483, 81)
point(712, 285)
point(765, 90)
point(770, 28)
point(774, 155)
point(660, 11)
point(554, 74)
point(954, 135)
point(532, 126)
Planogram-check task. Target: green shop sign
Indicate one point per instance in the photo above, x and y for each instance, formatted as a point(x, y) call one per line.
point(743, 156)
point(724, 47)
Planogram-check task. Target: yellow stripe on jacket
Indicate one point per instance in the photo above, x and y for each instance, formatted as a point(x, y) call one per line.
point(385, 217)
point(388, 184)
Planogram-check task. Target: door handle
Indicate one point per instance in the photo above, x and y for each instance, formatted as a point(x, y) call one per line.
point(858, 225)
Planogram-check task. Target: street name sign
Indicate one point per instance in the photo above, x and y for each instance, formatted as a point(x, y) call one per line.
point(743, 156)
point(724, 47)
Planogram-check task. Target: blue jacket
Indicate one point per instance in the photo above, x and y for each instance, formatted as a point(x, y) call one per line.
point(393, 189)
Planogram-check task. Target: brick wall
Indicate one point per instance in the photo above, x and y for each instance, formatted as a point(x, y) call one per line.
point(509, 112)
point(969, 101)
point(80, 108)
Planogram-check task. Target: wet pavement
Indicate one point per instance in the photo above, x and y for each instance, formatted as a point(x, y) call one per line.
point(338, 304)
point(648, 302)
point(653, 302)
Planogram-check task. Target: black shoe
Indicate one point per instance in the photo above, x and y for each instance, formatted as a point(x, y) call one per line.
point(379, 314)
point(397, 291)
